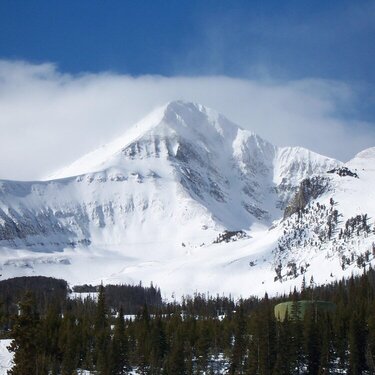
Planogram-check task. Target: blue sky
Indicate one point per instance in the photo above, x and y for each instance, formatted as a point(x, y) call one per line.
point(290, 39)
point(307, 65)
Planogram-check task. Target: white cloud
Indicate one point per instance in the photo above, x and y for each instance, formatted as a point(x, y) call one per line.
point(48, 119)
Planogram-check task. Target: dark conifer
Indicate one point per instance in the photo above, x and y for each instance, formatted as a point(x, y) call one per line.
point(158, 343)
point(25, 336)
point(101, 335)
point(357, 344)
point(283, 364)
point(175, 363)
point(312, 341)
point(119, 360)
point(142, 333)
point(49, 342)
point(69, 343)
point(238, 356)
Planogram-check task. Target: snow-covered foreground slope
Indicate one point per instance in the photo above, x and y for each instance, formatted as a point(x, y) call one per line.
point(6, 357)
point(150, 205)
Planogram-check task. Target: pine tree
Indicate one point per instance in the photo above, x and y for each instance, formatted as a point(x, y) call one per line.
point(202, 345)
point(371, 340)
point(68, 343)
point(266, 331)
point(296, 336)
point(303, 288)
point(119, 360)
point(312, 341)
point(25, 339)
point(357, 344)
point(327, 357)
point(50, 330)
point(101, 335)
point(158, 343)
point(142, 353)
point(175, 363)
point(283, 364)
point(239, 347)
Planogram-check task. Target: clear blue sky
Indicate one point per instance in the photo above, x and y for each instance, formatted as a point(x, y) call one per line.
point(330, 39)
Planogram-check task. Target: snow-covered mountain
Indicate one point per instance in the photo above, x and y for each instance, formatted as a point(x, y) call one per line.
point(331, 220)
point(151, 204)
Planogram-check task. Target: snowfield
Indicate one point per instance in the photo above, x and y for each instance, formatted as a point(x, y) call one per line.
point(149, 206)
point(6, 358)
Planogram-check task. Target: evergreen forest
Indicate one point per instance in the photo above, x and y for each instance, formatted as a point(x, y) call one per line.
point(130, 330)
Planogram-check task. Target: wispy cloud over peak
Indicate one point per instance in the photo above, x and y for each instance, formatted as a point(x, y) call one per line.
point(49, 118)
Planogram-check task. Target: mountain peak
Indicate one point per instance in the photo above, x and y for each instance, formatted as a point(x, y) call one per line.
point(178, 118)
point(161, 193)
point(184, 107)
point(368, 153)
point(363, 160)
point(176, 105)
point(182, 129)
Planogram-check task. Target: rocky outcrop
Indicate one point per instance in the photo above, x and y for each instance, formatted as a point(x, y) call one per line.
point(309, 189)
point(343, 171)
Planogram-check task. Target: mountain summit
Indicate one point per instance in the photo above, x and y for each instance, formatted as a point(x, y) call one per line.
point(182, 178)
point(158, 133)
point(183, 161)
point(162, 132)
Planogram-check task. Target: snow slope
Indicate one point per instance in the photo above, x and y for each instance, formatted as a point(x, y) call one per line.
point(182, 168)
point(335, 233)
point(149, 205)
point(6, 357)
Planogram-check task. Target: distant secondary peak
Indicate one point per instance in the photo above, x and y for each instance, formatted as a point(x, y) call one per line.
point(368, 153)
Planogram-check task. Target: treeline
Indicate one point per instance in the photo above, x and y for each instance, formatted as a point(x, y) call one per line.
point(130, 297)
point(202, 335)
point(50, 291)
point(46, 291)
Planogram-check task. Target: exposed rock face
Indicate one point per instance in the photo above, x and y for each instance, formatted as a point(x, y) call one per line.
point(343, 171)
point(309, 189)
